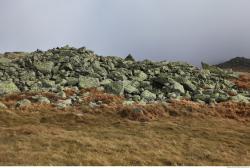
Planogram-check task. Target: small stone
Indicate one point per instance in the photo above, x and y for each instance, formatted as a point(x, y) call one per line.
point(3, 106)
point(127, 103)
point(8, 87)
point(62, 94)
point(23, 103)
point(43, 100)
point(136, 98)
point(93, 105)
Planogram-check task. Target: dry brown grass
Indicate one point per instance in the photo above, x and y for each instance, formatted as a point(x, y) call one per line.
point(177, 133)
point(46, 136)
point(243, 81)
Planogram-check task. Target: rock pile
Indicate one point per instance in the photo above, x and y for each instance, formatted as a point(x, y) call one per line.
point(138, 81)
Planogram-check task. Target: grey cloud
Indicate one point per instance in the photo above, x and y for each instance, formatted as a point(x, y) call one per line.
point(187, 30)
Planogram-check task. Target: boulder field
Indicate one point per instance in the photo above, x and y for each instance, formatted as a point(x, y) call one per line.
point(138, 81)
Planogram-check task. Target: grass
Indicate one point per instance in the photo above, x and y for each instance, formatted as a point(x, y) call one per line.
point(244, 81)
point(178, 133)
point(43, 135)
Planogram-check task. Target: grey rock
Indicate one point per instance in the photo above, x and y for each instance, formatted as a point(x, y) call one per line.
point(3, 106)
point(88, 82)
point(115, 88)
point(136, 98)
point(189, 85)
point(44, 67)
point(147, 95)
point(43, 100)
point(4, 60)
point(62, 94)
point(177, 87)
point(23, 103)
point(130, 89)
point(72, 81)
point(70, 67)
point(140, 75)
point(48, 83)
point(61, 104)
point(240, 98)
point(129, 58)
point(128, 103)
point(8, 87)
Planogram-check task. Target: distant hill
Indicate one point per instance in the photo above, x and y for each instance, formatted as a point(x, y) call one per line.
point(237, 64)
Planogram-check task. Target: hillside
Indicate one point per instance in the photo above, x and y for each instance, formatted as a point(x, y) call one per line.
point(69, 106)
point(237, 64)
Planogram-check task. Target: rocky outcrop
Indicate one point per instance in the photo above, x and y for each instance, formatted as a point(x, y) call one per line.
point(145, 81)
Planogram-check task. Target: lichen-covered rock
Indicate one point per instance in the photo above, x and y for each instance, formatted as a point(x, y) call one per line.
point(147, 95)
point(177, 87)
point(4, 60)
point(8, 87)
point(129, 58)
point(72, 81)
point(140, 75)
point(43, 100)
point(23, 103)
point(3, 106)
point(130, 89)
point(115, 87)
point(240, 98)
point(189, 85)
point(88, 82)
point(44, 67)
point(70, 67)
point(48, 83)
point(61, 104)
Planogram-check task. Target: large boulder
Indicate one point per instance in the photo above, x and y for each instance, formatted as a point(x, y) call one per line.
point(115, 87)
point(140, 75)
point(72, 81)
point(147, 95)
point(8, 87)
point(130, 89)
point(129, 58)
point(4, 60)
point(240, 98)
point(177, 87)
point(88, 82)
point(44, 67)
point(188, 85)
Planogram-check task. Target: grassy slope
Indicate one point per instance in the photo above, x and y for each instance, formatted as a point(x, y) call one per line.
point(63, 138)
point(183, 135)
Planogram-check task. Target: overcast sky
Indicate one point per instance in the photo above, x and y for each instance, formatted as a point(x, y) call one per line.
point(187, 30)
